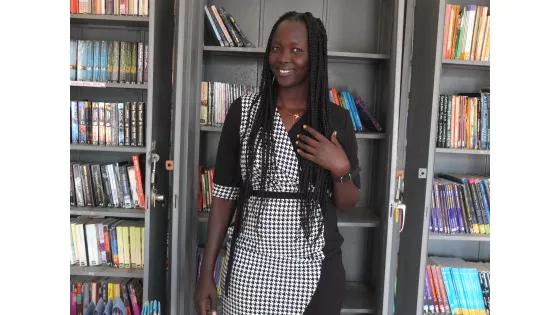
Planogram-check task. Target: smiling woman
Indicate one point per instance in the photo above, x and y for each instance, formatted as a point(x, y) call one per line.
point(287, 161)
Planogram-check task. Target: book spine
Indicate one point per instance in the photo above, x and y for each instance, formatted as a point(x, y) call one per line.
point(139, 183)
point(140, 122)
point(140, 63)
point(216, 15)
point(78, 185)
point(108, 124)
point(108, 197)
point(121, 123)
point(133, 186)
point(122, 62)
point(81, 72)
point(128, 62)
point(74, 122)
point(98, 186)
point(116, 61)
point(127, 124)
point(230, 28)
point(114, 244)
point(90, 60)
point(114, 124)
point(214, 26)
point(104, 77)
point(72, 187)
point(133, 115)
point(86, 179)
point(101, 122)
point(94, 123)
point(133, 63)
point(73, 59)
point(244, 38)
point(145, 74)
point(123, 173)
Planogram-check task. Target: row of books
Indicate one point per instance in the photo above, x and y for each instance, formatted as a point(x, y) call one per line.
point(107, 123)
point(223, 29)
point(107, 242)
point(464, 121)
point(216, 97)
point(205, 188)
point(460, 204)
point(361, 118)
point(108, 61)
point(116, 185)
point(455, 286)
point(111, 7)
point(466, 33)
point(217, 268)
point(105, 295)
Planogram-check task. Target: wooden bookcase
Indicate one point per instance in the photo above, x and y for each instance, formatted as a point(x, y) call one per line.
point(365, 49)
point(157, 32)
point(431, 75)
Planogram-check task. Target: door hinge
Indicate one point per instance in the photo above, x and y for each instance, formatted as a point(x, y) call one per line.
point(169, 165)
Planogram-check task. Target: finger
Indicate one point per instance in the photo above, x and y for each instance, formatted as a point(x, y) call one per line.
point(334, 139)
point(307, 148)
point(201, 307)
point(308, 140)
point(308, 156)
point(317, 135)
point(214, 304)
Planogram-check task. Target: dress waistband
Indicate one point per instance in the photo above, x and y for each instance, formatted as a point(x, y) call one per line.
point(274, 194)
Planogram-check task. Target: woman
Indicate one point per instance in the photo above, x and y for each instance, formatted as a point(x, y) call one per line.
point(284, 255)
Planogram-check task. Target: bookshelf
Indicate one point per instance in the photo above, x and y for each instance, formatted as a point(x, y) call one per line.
point(432, 76)
point(156, 32)
point(365, 48)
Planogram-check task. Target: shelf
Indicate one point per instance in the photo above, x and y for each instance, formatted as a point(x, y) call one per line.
point(112, 20)
point(357, 217)
point(359, 135)
point(466, 64)
point(460, 237)
point(108, 212)
point(106, 271)
point(462, 151)
point(88, 84)
point(102, 148)
point(261, 50)
point(358, 300)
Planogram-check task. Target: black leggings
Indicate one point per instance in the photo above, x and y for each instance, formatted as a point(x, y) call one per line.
point(330, 290)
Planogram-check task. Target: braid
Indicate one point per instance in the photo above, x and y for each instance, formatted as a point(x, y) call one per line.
point(314, 182)
point(318, 118)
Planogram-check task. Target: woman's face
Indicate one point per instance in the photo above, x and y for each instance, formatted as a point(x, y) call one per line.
point(289, 55)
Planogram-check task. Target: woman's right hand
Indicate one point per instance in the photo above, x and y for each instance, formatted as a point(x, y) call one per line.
point(206, 297)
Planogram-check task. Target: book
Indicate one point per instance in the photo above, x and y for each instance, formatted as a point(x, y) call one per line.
point(216, 97)
point(456, 286)
point(107, 123)
point(109, 242)
point(105, 295)
point(108, 61)
point(222, 29)
point(466, 34)
point(115, 185)
point(460, 204)
point(463, 121)
point(110, 7)
point(362, 120)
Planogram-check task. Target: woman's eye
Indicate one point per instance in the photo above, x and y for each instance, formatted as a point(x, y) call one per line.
point(275, 48)
point(297, 50)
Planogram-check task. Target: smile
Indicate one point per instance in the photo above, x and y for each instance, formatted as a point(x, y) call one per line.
point(285, 72)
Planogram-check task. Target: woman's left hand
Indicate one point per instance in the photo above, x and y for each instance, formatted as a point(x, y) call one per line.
point(328, 154)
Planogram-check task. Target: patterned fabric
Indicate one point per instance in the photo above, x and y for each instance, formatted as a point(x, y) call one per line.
point(275, 269)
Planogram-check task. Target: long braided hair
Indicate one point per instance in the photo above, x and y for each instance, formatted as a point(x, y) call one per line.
point(260, 135)
point(317, 117)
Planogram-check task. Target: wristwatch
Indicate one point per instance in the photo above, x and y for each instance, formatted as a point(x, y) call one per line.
point(347, 177)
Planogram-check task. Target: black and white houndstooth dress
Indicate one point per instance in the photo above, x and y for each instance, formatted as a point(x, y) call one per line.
point(275, 269)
